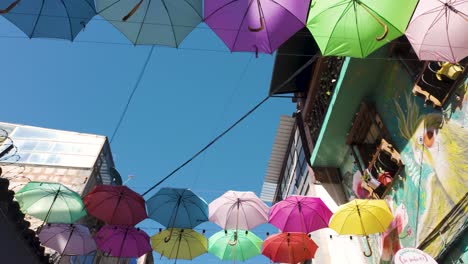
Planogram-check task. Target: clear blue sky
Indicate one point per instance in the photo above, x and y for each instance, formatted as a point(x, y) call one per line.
point(186, 98)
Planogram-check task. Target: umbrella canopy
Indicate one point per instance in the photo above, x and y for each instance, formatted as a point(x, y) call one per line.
point(123, 241)
point(356, 28)
point(289, 248)
point(255, 25)
point(183, 244)
point(67, 239)
point(248, 245)
point(238, 210)
point(152, 22)
point(115, 205)
point(300, 214)
point(362, 217)
point(437, 30)
point(50, 202)
point(62, 19)
point(180, 208)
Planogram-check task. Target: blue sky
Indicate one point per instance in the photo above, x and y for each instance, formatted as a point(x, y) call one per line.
point(186, 97)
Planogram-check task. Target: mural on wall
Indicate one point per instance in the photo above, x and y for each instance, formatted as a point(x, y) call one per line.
point(433, 147)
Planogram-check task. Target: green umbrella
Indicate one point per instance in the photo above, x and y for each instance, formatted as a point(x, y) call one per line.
point(356, 28)
point(50, 202)
point(222, 245)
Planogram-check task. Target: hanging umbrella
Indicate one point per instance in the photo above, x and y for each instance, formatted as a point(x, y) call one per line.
point(259, 26)
point(356, 28)
point(184, 244)
point(300, 214)
point(123, 241)
point(248, 246)
point(362, 218)
point(152, 22)
point(115, 205)
point(67, 239)
point(180, 208)
point(437, 30)
point(62, 19)
point(50, 202)
point(238, 210)
point(289, 248)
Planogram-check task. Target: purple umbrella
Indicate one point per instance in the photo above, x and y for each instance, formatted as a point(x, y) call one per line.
point(300, 214)
point(437, 30)
point(67, 239)
point(255, 25)
point(123, 241)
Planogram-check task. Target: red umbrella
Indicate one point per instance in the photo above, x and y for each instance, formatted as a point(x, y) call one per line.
point(289, 248)
point(115, 205)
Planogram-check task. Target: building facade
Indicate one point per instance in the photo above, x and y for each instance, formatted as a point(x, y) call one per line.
point(77, 160)
point(386, 127)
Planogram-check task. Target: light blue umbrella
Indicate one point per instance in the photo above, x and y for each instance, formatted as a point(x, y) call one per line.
point(152, 22)
point(62, 19)
point(177, 208)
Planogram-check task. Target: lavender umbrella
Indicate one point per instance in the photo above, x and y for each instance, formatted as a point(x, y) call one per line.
point(123, 241)
point(255, 25)
point(437, 30)
point(67, 239)
point(238, 210)
point(300, 214)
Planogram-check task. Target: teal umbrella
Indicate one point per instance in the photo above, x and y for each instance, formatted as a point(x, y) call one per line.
point(152, 22)
point(50, 202)
point(356, 28)
point(234, 245)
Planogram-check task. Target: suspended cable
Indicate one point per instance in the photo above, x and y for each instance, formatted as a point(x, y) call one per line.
point(124, 112)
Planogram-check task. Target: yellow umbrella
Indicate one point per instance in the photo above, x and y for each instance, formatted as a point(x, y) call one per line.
point(182, 243)
point(362, 218)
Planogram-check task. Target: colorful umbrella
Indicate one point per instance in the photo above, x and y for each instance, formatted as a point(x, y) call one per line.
point(289, 248)
point(115, 205)
point(255, 25)
point(362, 218)
point(67, 239)
point(123, 241)
point(437, 30)
point(356, 28)
point(180, 208)
point(50, 202)
point(248, 245)
point(152, 22)
point(183, 244)
point(62, 19)
point(300, 214)
point(238, 210)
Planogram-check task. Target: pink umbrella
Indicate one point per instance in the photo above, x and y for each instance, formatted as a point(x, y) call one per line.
point(437, 30)
point(123, 241)
point(238, 210)
point(67, 239)
point(300, 214)
point(115, 205)
point(259, 26)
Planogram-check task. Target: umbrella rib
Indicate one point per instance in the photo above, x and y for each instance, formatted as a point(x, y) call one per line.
point(221, 7)
point(242, 22)
point(196, 11)
point(107, 7)
point(266, 28)
point(201, 209)
point(93, 8)
point(170, 21)
point(143, 21)
point(447, 17)
point(357, 32)
point(438, 17)
point(339, 19)
point(287, 10)
point(69, 210)
point(37, 20)
point(376, 218)
point(69, 20)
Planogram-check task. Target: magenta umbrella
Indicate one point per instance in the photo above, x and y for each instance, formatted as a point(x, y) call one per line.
point(300, 214)
point(123, 241)
point(255, 25)
point(238, 210)
point(437, 30)
point(67, 239)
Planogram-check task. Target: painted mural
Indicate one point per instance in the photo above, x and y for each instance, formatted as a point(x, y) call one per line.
point(433, 145)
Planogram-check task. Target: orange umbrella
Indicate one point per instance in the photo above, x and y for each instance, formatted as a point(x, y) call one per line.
point(289, 247)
